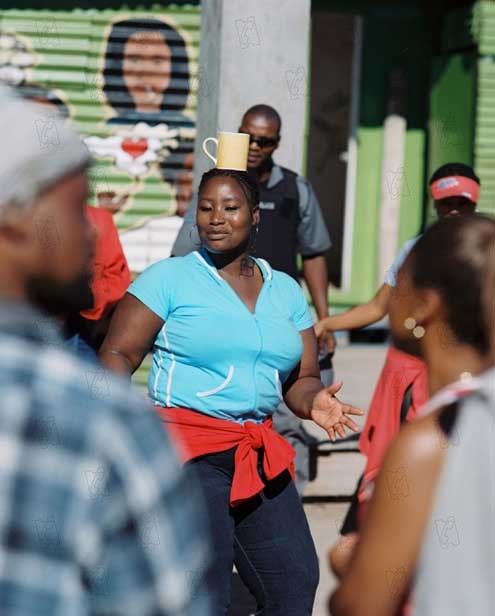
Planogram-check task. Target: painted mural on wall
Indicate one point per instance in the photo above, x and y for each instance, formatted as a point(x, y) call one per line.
point(131, 94)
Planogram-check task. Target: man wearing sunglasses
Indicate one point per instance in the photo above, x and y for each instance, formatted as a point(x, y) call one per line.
point(291, 224)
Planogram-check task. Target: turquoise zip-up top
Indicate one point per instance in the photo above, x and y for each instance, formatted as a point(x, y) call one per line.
point(212, 354)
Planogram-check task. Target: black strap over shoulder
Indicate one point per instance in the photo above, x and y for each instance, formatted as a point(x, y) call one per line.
point(406, 403)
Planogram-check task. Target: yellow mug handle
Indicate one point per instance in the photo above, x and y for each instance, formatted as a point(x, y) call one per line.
point(205, 150)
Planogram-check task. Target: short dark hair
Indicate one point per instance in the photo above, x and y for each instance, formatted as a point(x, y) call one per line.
point(267, 112)
point(114, 87)
point(454, 169)
point(452, 257)
point(248, 185)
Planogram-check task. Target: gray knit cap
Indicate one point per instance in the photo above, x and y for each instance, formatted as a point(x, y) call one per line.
point(37, 149)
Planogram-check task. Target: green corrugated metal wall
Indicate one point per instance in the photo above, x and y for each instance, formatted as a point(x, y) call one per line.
point(61, 56)
point(465, 73)
point(484, 144)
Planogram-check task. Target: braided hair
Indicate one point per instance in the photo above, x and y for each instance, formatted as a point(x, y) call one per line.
point(247, 183)
point(249, 187)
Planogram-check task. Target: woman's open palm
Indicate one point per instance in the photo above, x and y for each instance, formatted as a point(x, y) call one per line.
point(333, 415)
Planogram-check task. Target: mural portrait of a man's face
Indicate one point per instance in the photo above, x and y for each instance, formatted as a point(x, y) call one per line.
point(146, 73)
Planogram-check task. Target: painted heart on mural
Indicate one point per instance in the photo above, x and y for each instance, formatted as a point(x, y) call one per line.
point(134, 147)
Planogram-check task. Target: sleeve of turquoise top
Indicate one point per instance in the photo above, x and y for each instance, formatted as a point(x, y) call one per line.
point(301, 314)
point(153, 287)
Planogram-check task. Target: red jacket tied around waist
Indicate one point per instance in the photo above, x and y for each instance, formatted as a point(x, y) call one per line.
point(196, 434)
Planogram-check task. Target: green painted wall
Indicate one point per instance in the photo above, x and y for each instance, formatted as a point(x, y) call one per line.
point(484, 140)
point(391, 38)
point(78, 61)
point(451, 126)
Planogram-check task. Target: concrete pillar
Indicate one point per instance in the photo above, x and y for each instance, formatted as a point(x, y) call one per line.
point(253, 52)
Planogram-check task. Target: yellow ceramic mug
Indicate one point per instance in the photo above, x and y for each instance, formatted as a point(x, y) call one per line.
point(232, 150)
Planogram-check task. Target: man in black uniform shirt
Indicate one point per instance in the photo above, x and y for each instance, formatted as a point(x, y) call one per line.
point(291, 224)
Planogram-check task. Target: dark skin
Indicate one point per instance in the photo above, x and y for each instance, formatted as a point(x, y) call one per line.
point(361, 316)
point(314, 268)
point(225, 220)
point(52, 240)
point(394, 527)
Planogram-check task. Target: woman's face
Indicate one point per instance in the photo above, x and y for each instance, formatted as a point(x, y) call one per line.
point(147, 68)
point(401, 304)
point(224, 217)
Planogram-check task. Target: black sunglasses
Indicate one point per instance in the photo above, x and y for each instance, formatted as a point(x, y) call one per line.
point(263, 142)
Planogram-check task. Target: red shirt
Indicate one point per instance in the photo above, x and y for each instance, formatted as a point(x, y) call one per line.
point(383, 421)
point(111, 272)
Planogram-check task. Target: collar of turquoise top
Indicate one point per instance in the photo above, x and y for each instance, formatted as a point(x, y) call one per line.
point(204, 257)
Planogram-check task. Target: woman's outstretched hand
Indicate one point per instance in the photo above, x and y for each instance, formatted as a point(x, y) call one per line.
point(333, 415)
point(320, 329)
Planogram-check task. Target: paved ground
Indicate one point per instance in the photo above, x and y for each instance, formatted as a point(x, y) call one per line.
point(358, 366)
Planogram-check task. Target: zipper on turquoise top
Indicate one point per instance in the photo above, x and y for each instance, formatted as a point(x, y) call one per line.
point(260, 350)
point(253, 315)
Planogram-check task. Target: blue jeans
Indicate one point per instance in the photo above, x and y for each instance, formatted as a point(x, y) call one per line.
point(268, 537)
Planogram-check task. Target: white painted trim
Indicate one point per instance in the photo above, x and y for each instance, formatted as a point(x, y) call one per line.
point(170, 372)
point(352, 153)
point(204, 262)
point(212, 392)
point(169, 381)
point(157, 375)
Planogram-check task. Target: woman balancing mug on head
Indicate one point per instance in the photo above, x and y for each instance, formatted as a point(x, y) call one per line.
point(429, 525)
point(230, 338)
point(402, 387)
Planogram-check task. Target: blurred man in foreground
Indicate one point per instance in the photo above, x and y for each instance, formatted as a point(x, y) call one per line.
point(96, 516)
